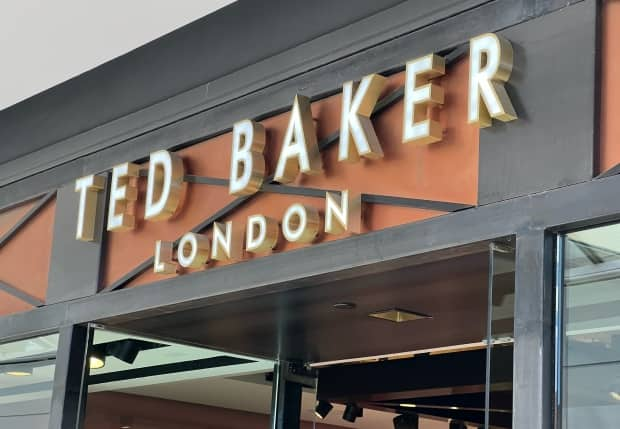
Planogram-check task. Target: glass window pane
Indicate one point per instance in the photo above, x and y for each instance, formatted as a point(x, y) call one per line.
point(26, 378)
point(140, 382)
point(591, 329)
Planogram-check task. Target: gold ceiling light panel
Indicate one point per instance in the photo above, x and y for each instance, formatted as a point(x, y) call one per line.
point(398, 315)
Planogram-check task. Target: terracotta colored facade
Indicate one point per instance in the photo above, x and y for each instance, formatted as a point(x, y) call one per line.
point(25, 258)
point(609, 155)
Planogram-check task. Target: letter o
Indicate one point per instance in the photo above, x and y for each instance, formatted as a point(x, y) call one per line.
point(300, 223)
point(193, 250)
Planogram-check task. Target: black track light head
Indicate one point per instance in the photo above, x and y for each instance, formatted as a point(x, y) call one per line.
point(322, 409)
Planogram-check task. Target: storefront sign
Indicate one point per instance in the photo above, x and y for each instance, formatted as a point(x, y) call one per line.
point(490, 66)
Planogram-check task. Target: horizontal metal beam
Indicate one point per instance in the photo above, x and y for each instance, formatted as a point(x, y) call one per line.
point(303, 191)
point(167, 368)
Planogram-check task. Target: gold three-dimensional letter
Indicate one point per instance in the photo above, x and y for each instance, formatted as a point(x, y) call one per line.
point(357, 134)
point(88, 187)
point(122, 191)
point(300, 149)
point(300, 223)
point(490, 65)
point(343, 213)
point(165, 185)
point(419, 94)
point(247, 162)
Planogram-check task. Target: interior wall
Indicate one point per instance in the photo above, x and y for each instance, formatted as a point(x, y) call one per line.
point(110, 410)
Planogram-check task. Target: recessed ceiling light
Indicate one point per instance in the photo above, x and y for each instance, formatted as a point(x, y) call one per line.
point(398, 315)
point(408, 405)
point(344, 306)
point(615, 395)
point(18, 370)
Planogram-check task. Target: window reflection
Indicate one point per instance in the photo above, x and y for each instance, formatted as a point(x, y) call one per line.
point(148, 383)
point(26, 377)
point(591, 346)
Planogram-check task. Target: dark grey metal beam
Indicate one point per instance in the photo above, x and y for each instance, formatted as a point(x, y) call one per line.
point(69, 394)
point(533, 331)
point(303, 191)
point(285, 398)
point(75, 266)
point(19, 294)
point(26, 218)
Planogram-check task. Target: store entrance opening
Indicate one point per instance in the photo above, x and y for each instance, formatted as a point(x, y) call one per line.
point(427, 338)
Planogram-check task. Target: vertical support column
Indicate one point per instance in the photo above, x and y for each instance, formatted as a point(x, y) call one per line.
point(285, 398)
point(69, 389)
point(533, 331)
point(75, 265)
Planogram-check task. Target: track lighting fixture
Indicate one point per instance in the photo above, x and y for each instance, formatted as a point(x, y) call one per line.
point(406, 421)
point(352, 412)
point(125, 350)
point(322, 409)
point(457, 424)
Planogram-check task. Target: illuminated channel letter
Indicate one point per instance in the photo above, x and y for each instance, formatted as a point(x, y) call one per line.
point(164, 186)
point(343, 213)
point(122, 191)
point(490, 65)
point(163, 258)
point(420, 93)
point(193, 250)
point(261, 234)
point(300, 149)
point(88, 187)
point(300, 223)
point(227, 243)
point(247, 162)
point(357, 134)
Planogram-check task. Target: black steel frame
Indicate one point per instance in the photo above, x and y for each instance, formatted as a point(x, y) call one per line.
point(532, 219)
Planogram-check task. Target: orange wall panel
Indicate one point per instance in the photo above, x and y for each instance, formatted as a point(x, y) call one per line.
point(10, 217)
point(10, 305)
point(25, 258)
point(609, 153)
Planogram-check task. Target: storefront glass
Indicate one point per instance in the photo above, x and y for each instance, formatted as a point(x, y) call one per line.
point(26, 379)
point(454, 369)
point(590, 319)
point(500, 331)
point(141, 382)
